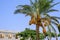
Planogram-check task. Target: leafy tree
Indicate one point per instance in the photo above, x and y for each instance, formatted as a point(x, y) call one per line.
point(32, 33)
point(38, 11)
point(29, 33)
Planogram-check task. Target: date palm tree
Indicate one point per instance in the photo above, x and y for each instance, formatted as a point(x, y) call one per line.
point(38, 11)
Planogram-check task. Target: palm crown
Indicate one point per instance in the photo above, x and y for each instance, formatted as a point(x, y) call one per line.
point(38, 10)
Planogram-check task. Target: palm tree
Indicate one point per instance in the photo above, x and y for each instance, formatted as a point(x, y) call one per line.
point(38, 11)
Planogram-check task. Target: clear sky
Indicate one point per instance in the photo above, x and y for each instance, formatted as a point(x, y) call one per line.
point(10, 21)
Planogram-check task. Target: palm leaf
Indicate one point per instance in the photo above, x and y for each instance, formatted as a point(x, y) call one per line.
point(54, 19)
point(20, 11)
point(31, 2)
point(48, 8)
point(49, 29)
point(59, 35)
point(51, 1)
point(54, 4)
point(53, 28)
point(52, 10)
point(59, 27)
point(24, 7)
point(55, 32)
point(54, 23)
point(47, 15)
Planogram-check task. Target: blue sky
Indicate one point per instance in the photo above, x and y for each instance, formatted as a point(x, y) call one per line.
point(10, 21)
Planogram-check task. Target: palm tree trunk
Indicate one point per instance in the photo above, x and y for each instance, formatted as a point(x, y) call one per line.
point(37, 32)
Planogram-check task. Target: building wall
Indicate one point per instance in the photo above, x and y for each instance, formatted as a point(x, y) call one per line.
point(8, 35)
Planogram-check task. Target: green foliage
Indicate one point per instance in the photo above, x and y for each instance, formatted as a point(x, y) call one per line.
point(29, 33)
point(58, 35)
point(59, 27)
point(22, 39)
point(53, 34)
point(42, 36)
point(32, 33)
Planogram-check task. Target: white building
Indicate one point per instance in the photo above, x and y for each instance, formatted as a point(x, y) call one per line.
point(8, 35)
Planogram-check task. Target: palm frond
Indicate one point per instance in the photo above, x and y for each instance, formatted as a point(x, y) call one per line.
point(59, 27)
point(43, 5)
point(49, 29)
point(54, 4)
point(59, 35)
point(51, 1)
point(31, 2)
point(54, 23)
point(54, 19)
point(49, 6)
point(46, 5)
point(24, 7)
point(35, 1)
point(47, 15)
point(20, 11)
point(52, 10)
point(54, 32)
point(52, 27)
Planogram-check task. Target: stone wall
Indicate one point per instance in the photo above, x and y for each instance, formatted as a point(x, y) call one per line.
point(8, 35)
